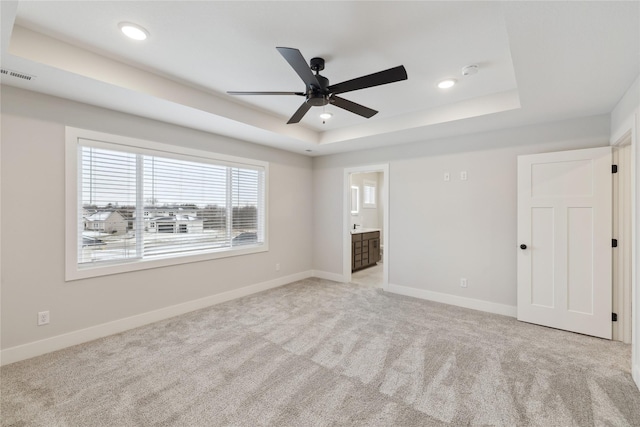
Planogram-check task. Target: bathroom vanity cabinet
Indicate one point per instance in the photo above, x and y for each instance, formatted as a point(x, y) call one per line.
point(365, 249)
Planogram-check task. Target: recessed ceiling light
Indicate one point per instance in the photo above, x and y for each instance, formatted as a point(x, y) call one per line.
point(133, 31)
point(326, 115)
point(446, 84)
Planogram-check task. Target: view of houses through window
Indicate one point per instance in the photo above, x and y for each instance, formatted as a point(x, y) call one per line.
point(134, 205)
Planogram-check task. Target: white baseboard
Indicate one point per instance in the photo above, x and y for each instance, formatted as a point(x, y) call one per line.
point(328, 276)
point(636, 375)
point(475, 304)
point(37, 348)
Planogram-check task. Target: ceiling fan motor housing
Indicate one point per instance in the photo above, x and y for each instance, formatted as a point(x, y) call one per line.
point(318, 97)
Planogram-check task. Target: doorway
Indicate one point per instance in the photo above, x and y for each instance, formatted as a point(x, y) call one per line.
point(366, 209)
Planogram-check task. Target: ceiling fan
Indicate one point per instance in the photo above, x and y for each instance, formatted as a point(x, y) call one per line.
point(318, 92)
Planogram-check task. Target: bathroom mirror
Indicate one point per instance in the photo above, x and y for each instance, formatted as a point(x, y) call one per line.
point(355, 196)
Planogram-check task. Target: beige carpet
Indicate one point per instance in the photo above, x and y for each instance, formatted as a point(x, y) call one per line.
point(317, 353)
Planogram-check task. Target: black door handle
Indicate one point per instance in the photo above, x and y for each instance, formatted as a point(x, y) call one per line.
point(523, 246)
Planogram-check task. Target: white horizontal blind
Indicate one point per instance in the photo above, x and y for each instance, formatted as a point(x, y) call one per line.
point(245, 191)
point(107, 199)
point(183, 206)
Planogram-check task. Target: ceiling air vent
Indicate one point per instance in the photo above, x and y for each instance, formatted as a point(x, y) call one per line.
point(17, 74)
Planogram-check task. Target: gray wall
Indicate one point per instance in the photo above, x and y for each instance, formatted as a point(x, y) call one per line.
point(33, 218)
point(442, 231)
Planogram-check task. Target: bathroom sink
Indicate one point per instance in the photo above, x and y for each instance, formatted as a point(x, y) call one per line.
point(364, 230)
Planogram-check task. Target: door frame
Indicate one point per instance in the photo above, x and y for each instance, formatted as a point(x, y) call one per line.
point(630, 127)
point(623, 190)
point(346, 220)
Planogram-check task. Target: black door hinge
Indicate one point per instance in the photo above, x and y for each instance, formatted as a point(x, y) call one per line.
point(614, 243)
point(614, 317)
point(614, 168)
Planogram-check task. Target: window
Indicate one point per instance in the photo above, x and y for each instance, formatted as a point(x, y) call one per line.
point(369, 194)
point(161, 205)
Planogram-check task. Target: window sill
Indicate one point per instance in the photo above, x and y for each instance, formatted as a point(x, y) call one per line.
point(76, 272)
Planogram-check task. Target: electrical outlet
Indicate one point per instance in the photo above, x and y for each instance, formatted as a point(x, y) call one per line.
point(447, 177)
point(463, 282)
point(43, 318)
point(463, 176)
point(278, 267)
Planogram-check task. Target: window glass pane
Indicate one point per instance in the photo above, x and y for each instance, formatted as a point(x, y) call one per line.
point(185, 202)
point(106, 205)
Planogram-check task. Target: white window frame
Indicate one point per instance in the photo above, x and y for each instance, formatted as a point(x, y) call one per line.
point(72, 227)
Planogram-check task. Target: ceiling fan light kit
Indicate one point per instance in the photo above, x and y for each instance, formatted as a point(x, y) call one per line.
point(319, 93)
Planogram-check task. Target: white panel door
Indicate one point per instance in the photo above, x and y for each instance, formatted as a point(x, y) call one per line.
point(564, 234)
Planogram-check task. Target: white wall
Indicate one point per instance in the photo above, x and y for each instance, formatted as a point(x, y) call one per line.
point(625, 117)
point(33, 149)
point(442, 231)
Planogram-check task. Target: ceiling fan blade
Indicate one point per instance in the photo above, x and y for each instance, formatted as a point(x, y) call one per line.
point(299, 65)
point(376, 79)
point(265, 93)
point(298, 115)
point(358, 109)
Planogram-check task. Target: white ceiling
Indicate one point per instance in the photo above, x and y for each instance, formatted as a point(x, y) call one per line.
point(539, 61)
